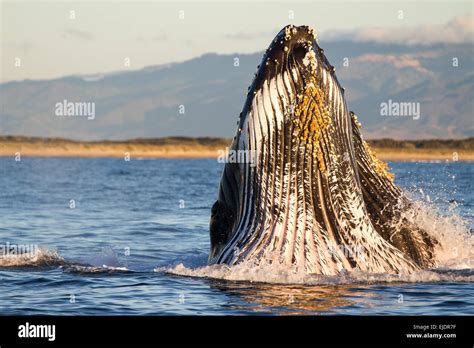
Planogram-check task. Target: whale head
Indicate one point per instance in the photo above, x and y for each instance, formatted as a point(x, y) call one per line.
point(296, 198)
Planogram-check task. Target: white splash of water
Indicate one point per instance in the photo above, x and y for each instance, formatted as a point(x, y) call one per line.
point(104, 262)
point(456, 244)
point(36, 258)
point(455, 255)
point(282, 275)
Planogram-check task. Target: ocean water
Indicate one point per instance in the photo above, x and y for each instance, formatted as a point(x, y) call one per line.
point(131, 238)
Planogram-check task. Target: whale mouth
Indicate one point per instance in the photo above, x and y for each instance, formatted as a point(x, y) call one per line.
point(309, 192)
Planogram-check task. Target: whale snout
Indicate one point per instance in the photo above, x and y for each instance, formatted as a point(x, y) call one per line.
point(291, 43)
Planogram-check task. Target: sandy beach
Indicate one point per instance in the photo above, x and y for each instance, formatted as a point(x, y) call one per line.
point(202, 148)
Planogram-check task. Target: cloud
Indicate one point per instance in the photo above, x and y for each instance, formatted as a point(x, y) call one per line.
point(400, 62)
point(459, 30)
point(77, 34)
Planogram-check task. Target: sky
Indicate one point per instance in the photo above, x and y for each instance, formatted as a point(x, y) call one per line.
point(44, 39)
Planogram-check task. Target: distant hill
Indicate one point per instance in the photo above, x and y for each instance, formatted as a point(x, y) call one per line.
point(188, 141)
point(147, 103)
point(467, 144)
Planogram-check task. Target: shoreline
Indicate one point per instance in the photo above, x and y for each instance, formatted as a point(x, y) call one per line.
point(180, 147)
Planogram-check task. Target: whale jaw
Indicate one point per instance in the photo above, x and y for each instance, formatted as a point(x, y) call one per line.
point(299, 201)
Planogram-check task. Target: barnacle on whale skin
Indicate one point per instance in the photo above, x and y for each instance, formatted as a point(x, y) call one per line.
point(380, 167)
point(311, 118)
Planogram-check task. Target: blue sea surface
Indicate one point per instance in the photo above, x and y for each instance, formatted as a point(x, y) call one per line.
point(129, 218)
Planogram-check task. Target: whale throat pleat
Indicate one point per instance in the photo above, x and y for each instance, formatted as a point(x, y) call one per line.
point(300, 202)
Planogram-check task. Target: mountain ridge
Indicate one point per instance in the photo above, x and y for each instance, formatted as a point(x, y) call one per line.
point(203, 96)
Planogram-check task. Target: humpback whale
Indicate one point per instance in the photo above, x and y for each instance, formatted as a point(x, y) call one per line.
point(311, 193)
